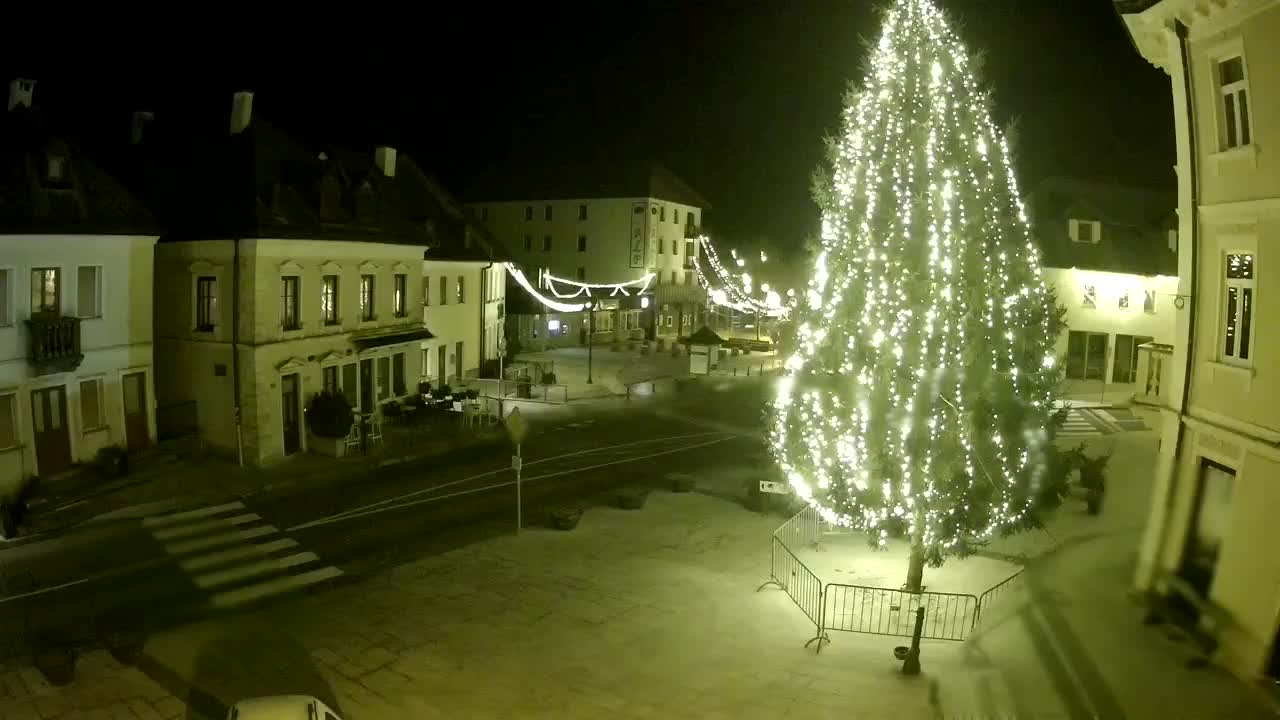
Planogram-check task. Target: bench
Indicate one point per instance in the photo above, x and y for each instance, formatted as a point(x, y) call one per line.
point(1189, 614)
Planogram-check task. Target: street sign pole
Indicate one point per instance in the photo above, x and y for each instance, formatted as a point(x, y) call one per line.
point(519, 503)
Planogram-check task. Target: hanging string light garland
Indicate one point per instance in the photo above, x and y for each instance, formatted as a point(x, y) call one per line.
point(585, 289)
point(734, 290)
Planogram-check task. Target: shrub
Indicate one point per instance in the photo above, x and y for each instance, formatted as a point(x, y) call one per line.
point(424, 388)
point(329, 415)
point(391, 409)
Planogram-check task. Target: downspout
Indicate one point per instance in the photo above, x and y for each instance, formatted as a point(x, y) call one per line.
point(484, 305)
point(1193, 162)
point(235, 348)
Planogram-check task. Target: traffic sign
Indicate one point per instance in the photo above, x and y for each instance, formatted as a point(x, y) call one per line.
point(517, 428)
point(516, 462)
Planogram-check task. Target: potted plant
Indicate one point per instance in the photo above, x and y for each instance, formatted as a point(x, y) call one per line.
point(112, 461)
point(56, 660)
point(444, 392)
point(473, 394)
point(632, 498)
point(1093, 480)
point(424, 388)
point(566, 518)
point(329, 418)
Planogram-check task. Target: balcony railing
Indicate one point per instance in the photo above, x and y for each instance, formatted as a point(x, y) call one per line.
point(55, 343)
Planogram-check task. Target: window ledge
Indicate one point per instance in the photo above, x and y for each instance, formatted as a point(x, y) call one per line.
point(94, 430)
point(1244, 152)
point(11, 448)
point(1241, 371)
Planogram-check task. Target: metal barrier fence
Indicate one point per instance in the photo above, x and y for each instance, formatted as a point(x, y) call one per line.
point(986, 601)
point(880, 611)
point(864, 609)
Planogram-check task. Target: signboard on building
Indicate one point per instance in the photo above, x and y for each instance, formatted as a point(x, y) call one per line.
point(638, 234)
point(651, 257)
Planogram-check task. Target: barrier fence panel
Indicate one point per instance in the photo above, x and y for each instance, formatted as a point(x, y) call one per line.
point(988, 599)
point(799, 583)
point(880, 611)
point(804, 528)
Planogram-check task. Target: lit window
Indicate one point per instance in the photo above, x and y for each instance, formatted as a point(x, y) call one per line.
point(400, 291)
point(1149, 302)
point(366, 298)
point(462, 292)
point(1090, 296)
point(1234, 90)
point(329, 299)
point(1237, 322)
point(46, 290)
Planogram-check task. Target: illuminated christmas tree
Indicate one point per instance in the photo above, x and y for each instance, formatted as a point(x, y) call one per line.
point(919, 400)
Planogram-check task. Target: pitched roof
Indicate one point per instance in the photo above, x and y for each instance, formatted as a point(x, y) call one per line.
point(704, 336)
point(583, 179)
point(1135, 226)
point(84, 199)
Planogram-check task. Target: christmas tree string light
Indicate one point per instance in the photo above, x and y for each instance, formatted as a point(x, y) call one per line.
point(734, 289)
point(917, 402)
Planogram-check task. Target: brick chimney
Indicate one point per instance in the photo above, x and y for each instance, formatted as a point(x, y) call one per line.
point(241, 111)
point(385, 158)
point(20, 91)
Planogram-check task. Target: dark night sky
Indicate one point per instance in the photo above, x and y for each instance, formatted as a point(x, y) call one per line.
point(734, 96)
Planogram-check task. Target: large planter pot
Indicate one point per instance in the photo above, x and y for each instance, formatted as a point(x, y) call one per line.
point(1093, 502)
point(644, 349)
point(566, 518)
point(331, 447)
point(632, 498)
point(676, 350)
point(57, 663)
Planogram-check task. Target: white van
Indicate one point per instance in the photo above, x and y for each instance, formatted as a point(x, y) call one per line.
point(281, 707)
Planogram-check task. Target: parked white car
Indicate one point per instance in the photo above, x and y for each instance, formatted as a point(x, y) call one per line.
point(281, 707)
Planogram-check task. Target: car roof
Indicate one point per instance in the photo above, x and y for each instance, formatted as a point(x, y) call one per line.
point(275, 707)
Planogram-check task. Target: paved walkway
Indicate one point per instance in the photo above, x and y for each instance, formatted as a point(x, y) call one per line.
point(104, 690)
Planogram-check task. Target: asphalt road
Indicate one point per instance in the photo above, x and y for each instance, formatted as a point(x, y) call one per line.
point(146, 573)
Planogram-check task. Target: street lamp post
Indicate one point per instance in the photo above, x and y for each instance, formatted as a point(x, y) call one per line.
point(591, 331)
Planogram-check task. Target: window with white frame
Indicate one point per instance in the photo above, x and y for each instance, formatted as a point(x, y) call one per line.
point(329, 299)
point(1237, 316)
point(89, 291)
point(366, 298)
point(1085, 231)
point(1233, 88)
point(289, 318)
point(329, 379)
point(462, 289)
point(92, 416)
point(206, 302)
point(8, 421)
point(46, 290)
point(1090, 296)
point(399, 295)
point(444, 289)
point(426, 291)
point(6, 297)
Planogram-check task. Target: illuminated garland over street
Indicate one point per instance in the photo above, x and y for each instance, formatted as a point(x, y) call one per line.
point(523, 281)
point(583, 289)
point(734, 290)
point(918, 400)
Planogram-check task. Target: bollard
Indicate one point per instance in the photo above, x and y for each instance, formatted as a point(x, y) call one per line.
point(911, 665)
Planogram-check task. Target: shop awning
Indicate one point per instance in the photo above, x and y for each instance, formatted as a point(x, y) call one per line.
point(382, 339)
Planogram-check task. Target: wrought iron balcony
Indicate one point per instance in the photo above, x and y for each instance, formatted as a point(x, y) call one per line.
point(54, 343)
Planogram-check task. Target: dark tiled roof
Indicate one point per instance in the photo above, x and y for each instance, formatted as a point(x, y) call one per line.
point(1126, 7)
point(1135, 226)
point(87, 200)
point(599, 178)
point(704, 336)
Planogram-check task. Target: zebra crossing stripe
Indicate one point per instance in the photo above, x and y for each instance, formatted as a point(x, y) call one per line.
point(203, 527)
point(163, 520)
point(236, 553)
point(261, 567)
point(213, 541)
point(276, 586)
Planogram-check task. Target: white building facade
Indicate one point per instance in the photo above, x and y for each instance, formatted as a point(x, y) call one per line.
point(1211, 531)
point(463, 310)
point(75, 308)
point(593, 237)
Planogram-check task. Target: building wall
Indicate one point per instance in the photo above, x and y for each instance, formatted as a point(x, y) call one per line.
point(1106, 315)
point(493, 342)
point(608, 232)
point(453, 322)
point(196, 365)
point(1231, 418)
point(115, 343)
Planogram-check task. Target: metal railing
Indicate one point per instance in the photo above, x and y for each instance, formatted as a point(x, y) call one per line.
point(521, 389)
point(987, 600)
point(864, 609)
point(880, 611)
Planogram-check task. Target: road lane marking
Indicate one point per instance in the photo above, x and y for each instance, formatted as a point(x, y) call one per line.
point(254, 569)
point(499, 471)
point(204, 543)
point(240, 596)
point(162, 520)
point(236, 553)
point(342, 517)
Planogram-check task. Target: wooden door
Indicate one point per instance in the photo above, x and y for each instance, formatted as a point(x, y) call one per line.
point(289, 414)
point(49, 426)
point(137, 434)
point(457, 362)
point(442, 364)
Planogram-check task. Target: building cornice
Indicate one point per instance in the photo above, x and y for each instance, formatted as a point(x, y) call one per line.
point(1152, 28)
point(1242, 211)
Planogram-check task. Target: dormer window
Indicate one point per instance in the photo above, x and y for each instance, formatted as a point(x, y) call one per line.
point(1088, 232)
point(55, 169)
